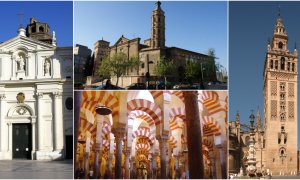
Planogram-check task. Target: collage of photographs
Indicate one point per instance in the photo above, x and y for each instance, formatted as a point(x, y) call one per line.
point(149, 90)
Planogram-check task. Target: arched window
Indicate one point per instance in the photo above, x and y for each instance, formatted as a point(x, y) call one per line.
point(280, 45)
point(282, 117)
point(289, 66)
point(276, 64)
point(282, 63)
point(293, 67)
point(41, 29)
point(271, 64)
point(33, 29)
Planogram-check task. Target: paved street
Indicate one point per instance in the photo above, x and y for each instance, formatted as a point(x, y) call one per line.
point(27, 169)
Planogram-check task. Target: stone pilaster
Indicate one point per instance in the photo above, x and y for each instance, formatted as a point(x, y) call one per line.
point(58, 122)
point(2, 124)
point(40, 121)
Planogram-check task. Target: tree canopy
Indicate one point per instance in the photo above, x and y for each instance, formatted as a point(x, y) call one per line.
point(116, 66)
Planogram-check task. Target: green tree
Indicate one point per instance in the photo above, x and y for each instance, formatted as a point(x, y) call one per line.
point(192, 70)
point(116, 66)
point(164, 68)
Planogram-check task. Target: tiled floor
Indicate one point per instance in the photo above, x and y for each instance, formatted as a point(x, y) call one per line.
point(27, 169)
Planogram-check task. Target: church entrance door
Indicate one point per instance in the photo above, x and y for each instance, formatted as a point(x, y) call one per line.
point(22, 141)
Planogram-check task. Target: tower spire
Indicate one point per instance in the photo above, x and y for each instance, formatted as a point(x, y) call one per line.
point(258, 120)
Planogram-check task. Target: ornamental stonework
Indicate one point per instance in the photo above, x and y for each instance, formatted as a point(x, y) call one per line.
point(273, 109)
point(273, 88)
point(291, 90)
point(291, 110)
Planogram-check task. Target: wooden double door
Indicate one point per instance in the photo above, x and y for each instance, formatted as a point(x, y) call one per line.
point(22, 141)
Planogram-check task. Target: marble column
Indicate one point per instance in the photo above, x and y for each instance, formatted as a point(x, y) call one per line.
point(96, 163)
point(119, 135)
point(154, 166)
point(150, 174)
point(223, 162)
point(132, 159)
point(86, 165)
point(40, 121)
point(194, 137)
point(2, 124)
point(177, 166)
point(58, 122)
point(162, 146)
point(9, 145)
point(109, 165)
point(127, 170)
point(33, 138)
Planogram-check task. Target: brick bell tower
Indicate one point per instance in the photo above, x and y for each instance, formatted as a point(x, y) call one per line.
point(158, 27)
point(280, 104)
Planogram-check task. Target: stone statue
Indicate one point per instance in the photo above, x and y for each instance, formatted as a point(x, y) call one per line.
point(21, 63)
point(47, 68)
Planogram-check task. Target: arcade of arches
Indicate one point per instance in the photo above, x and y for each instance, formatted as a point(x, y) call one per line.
point(151, 134)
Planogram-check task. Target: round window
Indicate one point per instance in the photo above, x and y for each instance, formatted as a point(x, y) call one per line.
point(69, 103)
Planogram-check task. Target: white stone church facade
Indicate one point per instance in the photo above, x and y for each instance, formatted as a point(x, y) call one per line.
point(36, 96)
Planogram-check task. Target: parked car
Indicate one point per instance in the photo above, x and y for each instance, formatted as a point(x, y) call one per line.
point(136, 86)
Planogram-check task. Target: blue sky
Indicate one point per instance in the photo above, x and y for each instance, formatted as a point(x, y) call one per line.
point(59, 16)
point(195, 26)
point(250, 26)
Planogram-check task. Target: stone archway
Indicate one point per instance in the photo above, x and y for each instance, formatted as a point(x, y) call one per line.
point(20, 115)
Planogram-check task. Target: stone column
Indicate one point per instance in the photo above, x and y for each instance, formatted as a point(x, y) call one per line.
point(33, 138)
point(150, 174)
point(58, 122)
point(132, 159)
point(162, 146)
point(154, 166)
point(223, 163)
point(86, 165)
point(96, 163)
point(127, 172)
point(2, 124)
point(40, 121)
point(194, 137)
point(119, 135)
point(109, 165)
point(177, 166)
point(9, 147)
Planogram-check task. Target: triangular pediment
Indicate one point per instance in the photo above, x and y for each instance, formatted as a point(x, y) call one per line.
point(122, 40)
point(24, 43)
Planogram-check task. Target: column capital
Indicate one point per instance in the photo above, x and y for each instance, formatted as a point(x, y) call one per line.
point(119, 133)
point(57, 94)
point(2, 97)
point(39, 95)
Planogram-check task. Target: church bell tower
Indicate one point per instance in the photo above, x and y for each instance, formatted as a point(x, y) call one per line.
point(158, 27)
point(280, 103)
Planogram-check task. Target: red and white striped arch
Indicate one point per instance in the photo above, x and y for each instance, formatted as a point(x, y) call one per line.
point(176, 112)
point(173, 142)
point(91, 98)
point(106, 129)
point(179, 94)
point(144, 132)
point(86, 126)
point(146, 147)
point(210, 127)
point(105, 143)
point(210, 100)
point(208, 144)
point(142, 115)
point(147, 106)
